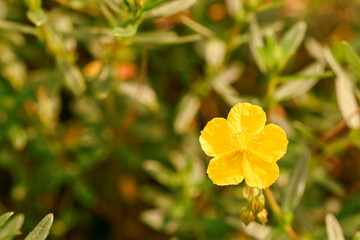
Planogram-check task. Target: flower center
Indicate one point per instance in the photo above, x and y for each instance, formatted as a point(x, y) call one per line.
point(242, 140)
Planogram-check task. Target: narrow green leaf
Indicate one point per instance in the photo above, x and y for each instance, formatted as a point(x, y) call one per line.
point(222, 84)
point(161, 173)
point(315, 49)
point(161, 38)
point(37, 16)
point(345, 93)
point(234, 7)
point(294, 77)
point(169, 8)
point(350, 56)
point(140, 93)
point(292, 39)
point(41, 231)
point(4, 218)
point(270, 41)
point(155, 218)
point(333, 228)
point(128, 31)
point(113, 6)
point(12, 227)
point(152, 4)
point(297, 184)
point(299, 85)
point(197, 27)
point(188, 107)
point(215, 51)
point(17, 27)
point(256, 42)
point(73, 77)
point(157, 197)
point(104, 81)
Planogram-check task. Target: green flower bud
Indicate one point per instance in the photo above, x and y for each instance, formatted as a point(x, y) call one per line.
point(247, 216)
point(257, 204)
point(250, 192)
point(245, 192)
point(261, 217)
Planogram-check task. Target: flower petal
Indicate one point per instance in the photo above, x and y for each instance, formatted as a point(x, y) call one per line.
point(217, 137)
point(259, 173)
point(270, 144)
point(247, 118)
point(226, 169)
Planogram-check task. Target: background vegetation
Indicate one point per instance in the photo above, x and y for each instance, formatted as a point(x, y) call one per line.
point(102, 102)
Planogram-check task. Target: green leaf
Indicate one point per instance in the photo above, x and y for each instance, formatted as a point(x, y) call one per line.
point(297, 184)
point(152, 4)
point(222, 84)
point(155, 218)
point(169, 8)
point(270, 41)
point(197, 27)
point(188, 107)
point(140, 93)
point(128, 31)
point(17, 27)
point(12, 227)
point(350, 56)
point(4, 218)
point(104, 81)
point(315, 49)
point(292, 39)
point(37, 16)
point(333, 228)
point(256, 43)
point(73, 77)
point(41, 230)
point(215, 51)
point(161, 38)
point(299, 85)
point(162, 174)
point(345, 93)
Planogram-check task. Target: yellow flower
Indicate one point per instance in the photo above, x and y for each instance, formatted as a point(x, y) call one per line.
point(243, 147)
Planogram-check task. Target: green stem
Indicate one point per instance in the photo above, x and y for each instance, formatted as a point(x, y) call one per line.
point(277, 212)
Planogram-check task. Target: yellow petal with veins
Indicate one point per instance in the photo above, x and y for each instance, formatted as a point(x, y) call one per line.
point(226, 169)
point(257, 172)
point(217, 137)
point(271, 143)
point(247, 118)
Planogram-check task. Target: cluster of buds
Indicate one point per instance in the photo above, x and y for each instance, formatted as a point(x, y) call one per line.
point(255, 209)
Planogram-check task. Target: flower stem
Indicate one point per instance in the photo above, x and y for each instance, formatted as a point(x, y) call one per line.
point(277, 212)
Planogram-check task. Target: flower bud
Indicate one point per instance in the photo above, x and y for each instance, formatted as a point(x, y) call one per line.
point(257, 204)
point(245, 192)
point(261, 217)
point(247, 216)
point(250, 192)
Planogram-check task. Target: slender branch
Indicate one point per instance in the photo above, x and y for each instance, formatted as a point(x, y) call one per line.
point(18, 27)
point(338, 127)
point(277, 212)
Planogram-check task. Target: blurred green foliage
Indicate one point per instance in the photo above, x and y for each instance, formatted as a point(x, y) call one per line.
point(102, 101)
